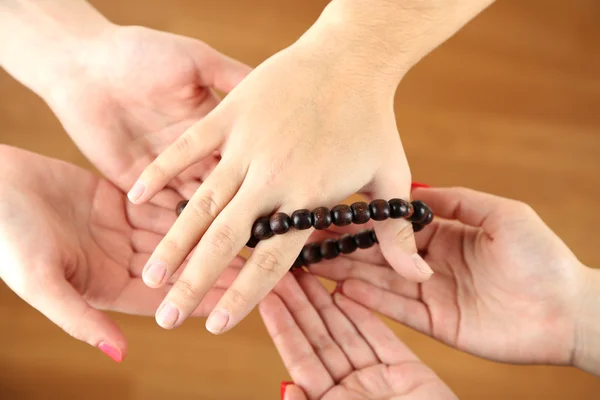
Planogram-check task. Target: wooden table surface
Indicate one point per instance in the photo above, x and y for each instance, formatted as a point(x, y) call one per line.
point(509, 105)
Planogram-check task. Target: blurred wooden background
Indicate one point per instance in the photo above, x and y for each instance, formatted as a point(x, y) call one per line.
point(510, 105)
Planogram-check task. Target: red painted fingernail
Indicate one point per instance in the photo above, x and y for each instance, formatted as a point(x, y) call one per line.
point(111, 351)
point(415, 185)
point(338, 288)
point(284, 385)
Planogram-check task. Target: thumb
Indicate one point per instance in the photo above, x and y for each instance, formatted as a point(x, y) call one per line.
point(289, 391)
point(63, 305)
point(217, 70)
point(395, 235)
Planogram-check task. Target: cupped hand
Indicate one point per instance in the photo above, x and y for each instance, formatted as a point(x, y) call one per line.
point(128, 93)
point(72, 245)
point(301, 131)
point(334, 348)
point(505, 286)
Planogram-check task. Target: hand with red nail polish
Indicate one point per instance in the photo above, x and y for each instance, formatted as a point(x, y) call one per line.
point(334, 348)
point(72, 245)
point(505, 286)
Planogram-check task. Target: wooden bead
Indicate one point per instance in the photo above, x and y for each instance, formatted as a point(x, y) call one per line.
point(180, 206)
point(252, 242)
point(360, 212)
point(380, 210)
point(374, 236)
point(280, 223)
point(428, 218)
point(329, 249)
point(311, 253)
point(363, 239)
point(321, 218)
point(341, 215)
point(346, 244)
point(261, 229)
point(302, 219)
point(399, 208)
point(298, 263)
point(420, 211)
point(417, 227)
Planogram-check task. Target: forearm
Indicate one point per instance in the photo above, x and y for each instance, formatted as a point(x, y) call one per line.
point(43, 40)
point(387, 37)
point(587, 347)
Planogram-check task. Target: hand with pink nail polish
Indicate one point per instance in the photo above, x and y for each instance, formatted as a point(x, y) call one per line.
point(72, 245)
point(334, 348)
point(505, 287)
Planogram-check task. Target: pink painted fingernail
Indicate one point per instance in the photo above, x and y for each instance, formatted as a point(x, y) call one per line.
point(421, 265)
point(111, 351)
point(415, 185)
point(136, 192)
point(155, 273)
point(338, 288)
point(217, 321)
point(167, 316)
point(282, 388)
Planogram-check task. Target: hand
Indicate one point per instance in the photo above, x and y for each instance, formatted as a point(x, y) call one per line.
point(335, 348)
point(72, 245)
point(505, 286)
point(299, 132)
point(132, 93)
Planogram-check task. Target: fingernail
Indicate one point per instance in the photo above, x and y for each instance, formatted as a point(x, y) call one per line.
point(217, 321)
point(111, 351)
point(284, 385)
point(415, 185)
point(136, 192)
point(421, 265)
point(155, 273)
point(167, 316)
point(338, 288)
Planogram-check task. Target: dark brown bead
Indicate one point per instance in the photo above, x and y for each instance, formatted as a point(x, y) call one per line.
point(420, 211)
point(346, 244)
point(302, 219)
point(417, 227)
point(428, 218)
point(363, 239)
point(298, 263)
point(280, 223)
point(374, 236)
point(360, 212)
point(329, 249)
point(261, 229)
point(341, 215)
point(311, 253)
point(398, 208)
point(180, 206)
point(252, 242)
point(380, 210)
point(321, 218)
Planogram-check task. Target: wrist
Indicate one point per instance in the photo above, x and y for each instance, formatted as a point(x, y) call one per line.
point(54, 37)
point(381, 40)
point(586, 354)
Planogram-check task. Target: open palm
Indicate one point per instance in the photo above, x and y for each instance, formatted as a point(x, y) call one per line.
point(334, 348)
point(134, 93)
point(505, 286)
point(72, 244)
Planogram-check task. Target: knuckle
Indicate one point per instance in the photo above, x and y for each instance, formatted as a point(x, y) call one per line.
point(405, 233)
point(205, 206)
point(268, 261)
point(223, 241)
point(183, 144)
point(185, 291)
point(519, 208)
point(237, 297)
point(156, 170)
point(275, 169)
